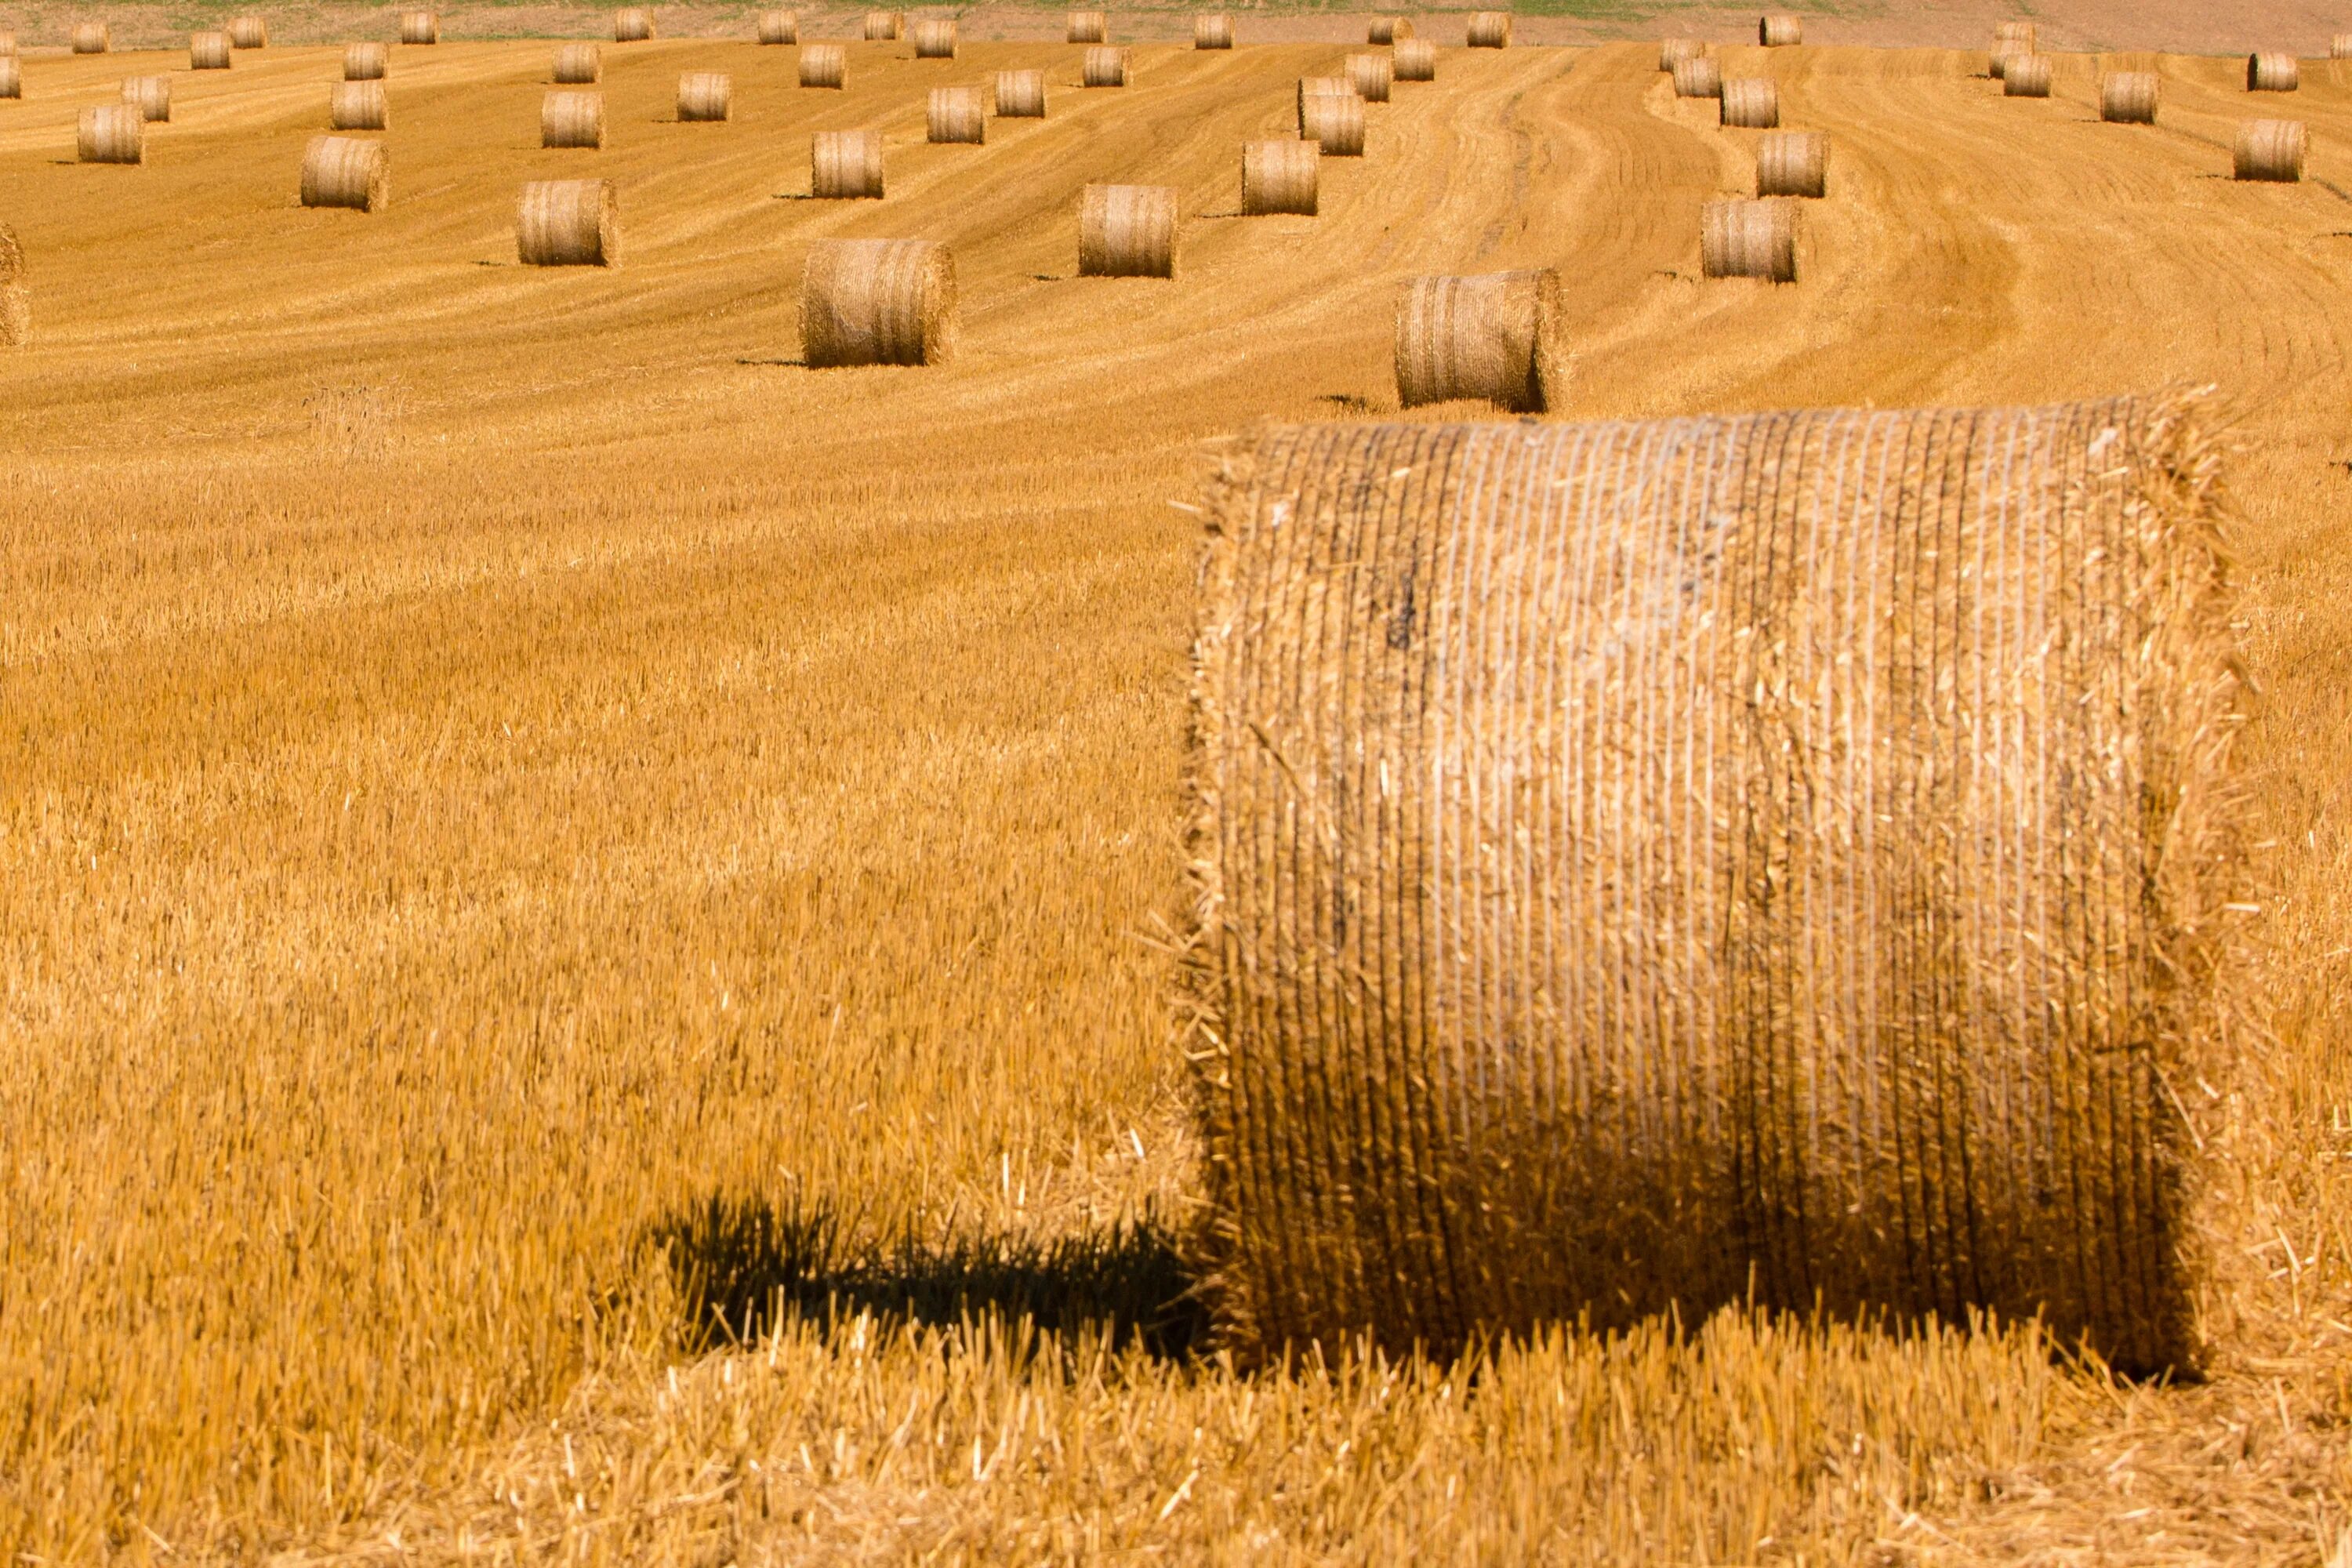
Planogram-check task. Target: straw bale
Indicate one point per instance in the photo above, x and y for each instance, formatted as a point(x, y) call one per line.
point(1313, 84)
point(935, 38)
point(634, 24)
point(1106, 66)
point(1021, 95)
point(1488, 30)
point(2339, 48)
point(359, 106)
point(2028, 76)
point(1127, 231)
point(780, 26)
point(365, 62)
point(845, 165)
point(956, 114)
point(1415, 60)
point(1997, 63)
point(151, 95)
point(1493, 337)
point(2270, 149)
point(1793, 163)
point(2015, 33)
point(208, 51)
point(1740, 239)
point(1212, 30)
point(112, 133)
point(12, 76)
point(571, 120)
point(346, 172)
point(1699, 75)
point(7, 41)
point(1675, 51)
point(1089, 28)
point(15, 296)
point(567, 223)
point(1335, 121)
point(92, 39)
point(825, 64)
point(1780, 30)
point(2128, 98)
point(1387, 30)
point(249, 33)
point(2273, 72)
point(1370, 76)
point(1280, 177)
point(878, 301)
point(420, 27)
point(578, 65)
point(885, 27)
point(1751, 103)
point(705, 96)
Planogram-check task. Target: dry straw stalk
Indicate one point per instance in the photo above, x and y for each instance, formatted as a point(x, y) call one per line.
point(2270, 149)
point(420, 27)
point(2130, 97)
point(578, 65)
point(935, 38)
point(1659, 865)
point(825, 64)
point(1387, 30)
point(92, 39)
point(2027, 76)
point(1494, 338)
point(1335, 122)
point(567, 223)
point(845, 165)
point(571, 120)
point(1212, 30)
point(1780, 30)
point(1675, 51)
point(208, 51)
point(2273, 72)
point(1370, 76)
point(1127, 231)
point(877, 301)
point(885, 27)
point(705, 96)
point(15, 295)
point(633, 25)
point(1793, 163)
point(1021, 95)
point(249, 33)
point(151, 95)
point(112, 133)
point(1488, 30)
point(1699, 75)
point(359, 106)
point(12, 76)
point(1279, 176)
point(1088, 28)
point(1739, 238)
point(365, 62)
point(1415, 60)
point(779, 27)
point(1751, 103)
point(346, 172)
point(956, 114)
point(1106, 66)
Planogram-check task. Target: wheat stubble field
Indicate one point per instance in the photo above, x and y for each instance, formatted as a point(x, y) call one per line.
point(585, 911)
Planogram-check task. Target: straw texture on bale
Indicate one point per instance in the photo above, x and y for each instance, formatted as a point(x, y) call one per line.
point(1675, 51)
point(1488, 30)
point(1088, 28)
point(1749, 240)
point(1659, 865)
point(633, 25)
point(1793, 163)
point(1751, 102)
point(571, 120)
point(1280, 177)
point(151, 95)
point(2028, 76)
point(1021, 95)
point(1308, 85)
point(578, 65)
point(1106, 66)
point(15, 296)
point(365, 62)
point(249, 33)
point(1780, 30)
point(1414, 59)
point(884, 26)
point(112, 133)
point(2128, 98)
point(877, 301)
point(345, 172)
point(823, 65)
point(935, 38)
point(2270, 149)
point(2271, 72)
point(1212, 30)
point(1493, 337)
point(12, 78)
point(1127, 231)
point(1335, 122)
point(359, 106)
point(567, 223)
point(956, 114)
point(1699, 75)
point(208, 51)
point(845, 165)
point(420, 26)
point(92, 39)
point(1370, 76)
point(1387, 30)
point(780, 26)
point(705, 96)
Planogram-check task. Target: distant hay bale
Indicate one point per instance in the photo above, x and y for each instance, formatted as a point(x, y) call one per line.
point(578, 65)
point(2128, 98)
point(112, 133)
point(1675, 51)
point(1314, 84)
point(1493, 337)
point(1699, 75)
point(2339, 48)
point(845, 165)
point(1387, 30)
point(1370, 76)
point(1997, 63)
point(1334, 121)
point(1088, 28)
point(365, 62)
point(1212, 30)
point(249, 33)
point(1414, 59)
point(2273, 72)
point(1021, 95)
point(935, 38)
point(1127, 231)
point(823, 65)
point(1751, 103)
point(93, 38)
point(1638, 868)
point(877, 301)
point(208, 51)
point(420, 27)
point(2014, 33)
point(1488, 30)
point(885, 27)
point(956, 114)
point(1793, 163)
point(7, 41)
point(2270, 149)
point(1106, 66)
point(1280, 177)
point(634, 24)
point(12, 78)
point(780, 26)
point(151, 95)
point(1739, 238)
point(346, 172)
point(571, 120)
point(567, 223)
point(359, 106)
point(2028, 76)
point(705, 96)
point(15, 296)
point(1780, 30)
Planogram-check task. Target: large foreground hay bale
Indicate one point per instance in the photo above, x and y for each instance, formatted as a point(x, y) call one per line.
point(956, 114)
point(845, 165)
point(2270, 149)
point(885, 27)
point(571, 120)
point(112, 133)
point(1280, 177)
point(1212, 30)
point(150, 95)
point(1106, 66)
point(780, 26)
point(1751, 103)
point(15, 295)
point(705, 96)
point(359, 106)
point(578, 65)
point(634, 24)
point(567, 223)
point(825, 64)
point(1021, 95)
point(1370, 76)
point(420, 27)
point(935, 38)
point(346, 172)
point(1675, 51)
point(1741, 238)
point(1088, 28)
point(2271, 72)
point(208, 51)
point(2128, 98)
point(1793, 163)
point(1780, 30)
point(1699, 75)
point(877, 301)
point(1127, 231)
point(1387, 30)
point(1335, 122)
point(1494, 337)
point(12, 76)
point(1414, 59)
point(1488, 30)
point(365, 62)
point(92, 39)
point(1653, 867)
point(2026, 76)
point(249, 33)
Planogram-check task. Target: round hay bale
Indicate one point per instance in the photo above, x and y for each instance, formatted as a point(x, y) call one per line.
point(1488, 30)
point(1751, 103)
point(1793, 163)
point(15, 296)
point(1387, 30)
point(1997, 63)
point(1212, 30)
point(1106, 66)
point(1780, 30)
point(249, 33)
point(2128, 98)
point(825, 64)
point(1127, 231)
point(780, 26)
point(1280, 177)
point(150, 95)
point(845, 165)
point(1312, 84)
point(7, 41)
point(634, 24)
point(359, 106)
point(365, 62)
point(420, 27)
point(1021, 95)
point(1334, 121)
point(2270, 149)
point(1700, 76)
point(578, 65)
point(112, 133)
point(1494, 338)
point(2339, 48)
point(2273, 72)
point(567, 223)
point(956, 114)
point(2028, 76)
point(1675, 51)
point(92, 39)
point(2022, 33)
point(1089, 28)
point(12, 76)
point(935, 38)
point(208, 51)
point(877, 301)
point(1370, 76)
point(346, 172)
point(885, 27)
point(1635, 871)
point(704, 96)
point(571, 120)
point(1414, 59)
point(1739, 238)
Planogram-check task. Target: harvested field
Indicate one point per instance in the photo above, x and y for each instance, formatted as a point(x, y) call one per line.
point(587, 910)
